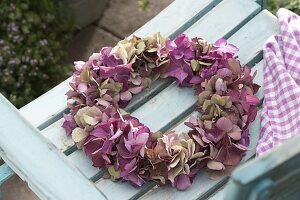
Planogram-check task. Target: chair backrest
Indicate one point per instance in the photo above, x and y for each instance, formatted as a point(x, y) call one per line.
point(275, 175)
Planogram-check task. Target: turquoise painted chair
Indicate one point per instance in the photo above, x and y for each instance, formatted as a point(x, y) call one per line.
point(55, 169)
point(275, 175)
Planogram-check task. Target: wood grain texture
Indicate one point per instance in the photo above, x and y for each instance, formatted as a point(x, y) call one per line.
point(38, 162)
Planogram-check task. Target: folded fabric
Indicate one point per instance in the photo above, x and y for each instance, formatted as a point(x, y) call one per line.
point(280, 118)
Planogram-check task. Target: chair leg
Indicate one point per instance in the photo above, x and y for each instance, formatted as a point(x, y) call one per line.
point(5, 173)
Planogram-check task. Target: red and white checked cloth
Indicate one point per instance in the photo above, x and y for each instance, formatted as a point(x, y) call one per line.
point(280, 118)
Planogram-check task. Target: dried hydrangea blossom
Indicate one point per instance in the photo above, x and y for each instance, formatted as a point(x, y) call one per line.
point(114, 75)
point(180, 155)
point(228, 105)
point(193, 61)
point(124, 147)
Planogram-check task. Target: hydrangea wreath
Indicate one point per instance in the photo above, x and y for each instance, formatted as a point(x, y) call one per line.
point(126, 148)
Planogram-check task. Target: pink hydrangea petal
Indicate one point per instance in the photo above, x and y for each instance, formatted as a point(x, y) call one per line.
point(224, 72)
point(235, 133)
point(224, 124)
point(252, 99)
point(177, 73)
point(136, 90)
point(116, 135)
point(215, 165)
point(126, 96)
point(82, 87)
point(134, 179)
point(182, 182)
point(78, 65)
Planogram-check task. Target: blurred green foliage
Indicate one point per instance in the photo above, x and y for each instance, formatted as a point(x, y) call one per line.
point(293, 5)
point(32, 58)
point(143, 4)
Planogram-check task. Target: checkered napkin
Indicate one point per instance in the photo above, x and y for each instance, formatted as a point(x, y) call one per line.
point(280, 118)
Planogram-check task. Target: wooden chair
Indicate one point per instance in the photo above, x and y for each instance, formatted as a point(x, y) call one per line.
point(52, 166)
point(274, 175)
